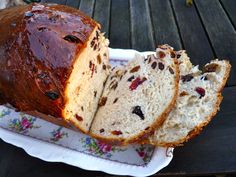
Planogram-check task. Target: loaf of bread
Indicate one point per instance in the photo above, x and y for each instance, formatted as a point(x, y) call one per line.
point(53, 63)
point(198, 101)
point(137, 98)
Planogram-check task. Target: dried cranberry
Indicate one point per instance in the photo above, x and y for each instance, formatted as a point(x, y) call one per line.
point(171, 70)
point(135, 83)
point(103, 101)
point(137, 110)
point(161, 54)
point(116, 132)
point(79, 118)
point(135, 69)
point(154, 64)
point(101, 130)
point(200, 91)
point(161, 66)
point(131, 78)
point(187, 78)
point(72, 38)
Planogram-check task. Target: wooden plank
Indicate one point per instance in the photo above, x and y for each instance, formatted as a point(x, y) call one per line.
point(141, 26)
point(221, 32)
point(194, 37)
point(102, 14)
point(214, 150)
point(73, 3)
point(120, 24)
point(229, 6)
point(87, 6)
point(56, 1)
point(164, 26)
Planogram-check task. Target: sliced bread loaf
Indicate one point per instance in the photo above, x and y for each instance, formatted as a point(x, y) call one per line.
point(137, 98)
point(198, 101)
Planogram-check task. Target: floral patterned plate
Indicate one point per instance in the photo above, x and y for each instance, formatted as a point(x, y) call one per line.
point(53, 143)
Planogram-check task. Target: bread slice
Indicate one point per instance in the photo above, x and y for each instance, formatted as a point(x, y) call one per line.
point(137, 98)
point(86, 82)
point(198, 101)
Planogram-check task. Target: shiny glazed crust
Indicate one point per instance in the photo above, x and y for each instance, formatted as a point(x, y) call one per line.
point(38, 46)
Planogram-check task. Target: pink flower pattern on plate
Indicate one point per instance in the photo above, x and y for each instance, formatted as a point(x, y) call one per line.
point(58, 134)
point(23, 125)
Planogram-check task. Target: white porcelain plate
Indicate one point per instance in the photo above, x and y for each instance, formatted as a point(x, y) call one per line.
point(53, 143)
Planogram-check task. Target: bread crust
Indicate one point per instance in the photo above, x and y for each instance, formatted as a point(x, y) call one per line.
point(144, 134)
point(197, 130)
point(39, 45)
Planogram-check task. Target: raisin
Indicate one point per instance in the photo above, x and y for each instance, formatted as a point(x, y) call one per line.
point(171, 70)
point(178, 56)
point(52, 95)
point(79, 118)
point(135, 69)
point(95, 93)
point(147, 128)
point(172, 54)
point(101, 130)
point(137, 110)
point(104, 67)
point(92, 67)
point(114, 85)
point(116, 132)
point(99, 59)
point(103, 101)
point(115, 100)
point(131, 78)
point(104, 54)
point(29, 14)
point(161, 54)
point(92, 42)
point(135, 83)
point(149, 59)
point(204, 78)
point(145, 60)
point(72, 38)
point(154, 65)
point(187, 78)
point(42, 29)
point(95, 47)
point(161, 66)
point(210, 68)
point(200, 91)
point(183, 93)
point(82, 108)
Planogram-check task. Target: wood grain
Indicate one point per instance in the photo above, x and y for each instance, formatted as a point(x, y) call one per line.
point(164, 26)
point(194, 37)
point(221, 32)
point(102, 15)
point(141, 26)
point(120, 34)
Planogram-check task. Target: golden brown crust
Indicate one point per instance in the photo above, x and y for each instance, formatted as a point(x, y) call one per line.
point(38, 46)
point(196, 131)
point(144, 134)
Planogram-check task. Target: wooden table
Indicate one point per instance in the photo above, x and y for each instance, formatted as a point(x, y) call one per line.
point(206, 30)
